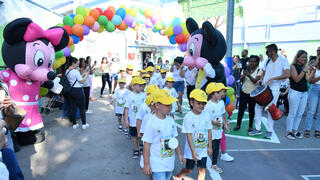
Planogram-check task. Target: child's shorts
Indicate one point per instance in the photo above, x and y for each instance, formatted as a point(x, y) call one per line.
point(200, 163)
point(133, 131)
point(118, 114)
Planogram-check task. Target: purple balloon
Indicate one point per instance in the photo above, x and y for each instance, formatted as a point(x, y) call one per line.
point(154, 18)
point(177, 29)
point(148, 23)
point(183, 47)
point(226, 71)
point(128, 19)
point(133, 25)
point(230, 80)
point(86, 30)
point(66, 51)
point(95, 27)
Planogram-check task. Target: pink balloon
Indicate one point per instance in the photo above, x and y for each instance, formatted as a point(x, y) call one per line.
point(148, 23)
point(95, 27)
point(154, 18)
point(128, 19)
point(183, 47)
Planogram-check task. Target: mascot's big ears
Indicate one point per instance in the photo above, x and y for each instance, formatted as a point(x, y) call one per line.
point(16, 30)
point(209, 32)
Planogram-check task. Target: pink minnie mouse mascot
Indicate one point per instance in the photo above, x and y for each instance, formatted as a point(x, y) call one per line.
point(206, 47)
point(29, 53)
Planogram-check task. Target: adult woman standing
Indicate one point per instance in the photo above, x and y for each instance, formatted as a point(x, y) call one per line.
point(88, 62)
point(298, 94)
point(178, 76)
point(105, 68)
point(86, 85)
point(249, 80)
point(313, 100)
point(76, 97)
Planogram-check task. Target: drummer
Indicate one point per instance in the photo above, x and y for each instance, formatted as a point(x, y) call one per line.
point(275, 69)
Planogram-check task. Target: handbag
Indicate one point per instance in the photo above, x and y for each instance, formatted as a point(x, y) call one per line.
point(67, 88)
point(13, 114)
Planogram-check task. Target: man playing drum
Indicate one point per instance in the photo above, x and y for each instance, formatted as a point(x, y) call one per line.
point(275, 69)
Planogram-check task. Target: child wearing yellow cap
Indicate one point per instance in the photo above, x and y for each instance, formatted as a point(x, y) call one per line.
point(133, 101)
point(218, 115)
point(153, 76)
point(119, 100)
point(160, 143)
point(173, 92)
point(128, 75)
point(162, 79)
point(197, 126)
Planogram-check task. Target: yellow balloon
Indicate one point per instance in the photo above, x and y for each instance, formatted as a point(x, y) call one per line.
point(56, 64)
point(78, 19)
point(184, 28)
point(169, 31)
point(148, 13)
point(88, 11)
point(232, 98)
point(159, 25)
point(62, 60)
point(132, 12)
point(124, 7)
point(101, 29)
point(72, 47)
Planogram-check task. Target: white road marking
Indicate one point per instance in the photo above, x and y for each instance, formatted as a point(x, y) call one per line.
point(307, 177)
point(277, 149)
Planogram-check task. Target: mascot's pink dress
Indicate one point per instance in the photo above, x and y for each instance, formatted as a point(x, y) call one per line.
point(29, 53)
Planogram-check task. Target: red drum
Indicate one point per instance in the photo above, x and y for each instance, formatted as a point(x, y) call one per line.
point(263, 96)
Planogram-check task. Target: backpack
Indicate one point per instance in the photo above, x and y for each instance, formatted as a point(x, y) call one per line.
point(67, 88)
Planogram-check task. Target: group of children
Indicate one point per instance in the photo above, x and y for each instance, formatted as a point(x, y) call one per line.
point(147, 106)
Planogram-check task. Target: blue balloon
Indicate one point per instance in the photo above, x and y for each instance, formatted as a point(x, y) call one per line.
point(72, 15)
point(172, 39)
point(116, 20)
point(75, 38)
point(227, 101)
point(154, 29)
point(176, 21)
point(121, 12)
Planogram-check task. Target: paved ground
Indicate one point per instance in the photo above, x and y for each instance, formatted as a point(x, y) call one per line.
point(102, 152)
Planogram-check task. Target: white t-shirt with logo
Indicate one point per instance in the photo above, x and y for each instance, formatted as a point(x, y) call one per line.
point(198, 126)
point(120, 95)
point(133, 101)
point(216, 110)
point(274, 69)
point(154, 80)
point(174, 93)
point(158, 132)
point(143, 112)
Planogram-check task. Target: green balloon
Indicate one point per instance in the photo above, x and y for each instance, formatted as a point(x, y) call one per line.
point(102, 20)
point(67, 20)
point(59, 54)
point(230, 92)
point(81, 10)
point(141, 10)
point(110, 26)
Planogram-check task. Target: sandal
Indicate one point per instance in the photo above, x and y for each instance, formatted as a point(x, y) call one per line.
point(135, 154)
point(306, 133)
point(217, 169)
point(317, 134)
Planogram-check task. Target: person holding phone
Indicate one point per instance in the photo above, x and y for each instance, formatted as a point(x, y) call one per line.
point(90, 69)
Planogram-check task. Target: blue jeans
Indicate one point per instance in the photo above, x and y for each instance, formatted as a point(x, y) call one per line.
point(297, 103)
point(179, 86)
point(162, 175)
point(10, 160)
point(313, 101)
point(115, 76)
point(65, 109)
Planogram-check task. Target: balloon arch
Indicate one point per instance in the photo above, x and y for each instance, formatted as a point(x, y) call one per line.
point(79, 25)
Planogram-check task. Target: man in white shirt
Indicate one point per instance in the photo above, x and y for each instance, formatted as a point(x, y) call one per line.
point(275, 69)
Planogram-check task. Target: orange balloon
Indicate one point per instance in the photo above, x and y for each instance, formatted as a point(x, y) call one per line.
point(186, 37)
point(112, 9)
point(94, 13)
point(77, 30)
point(230, 107)
point(148, 13)
point(70, 41)
point(89, 21)
point(122, 26)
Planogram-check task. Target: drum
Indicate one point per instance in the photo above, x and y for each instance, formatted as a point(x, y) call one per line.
point(262, 95)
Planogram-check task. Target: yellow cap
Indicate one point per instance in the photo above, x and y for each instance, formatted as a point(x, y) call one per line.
point(158, 67)
point(222, 86)
point(169, 79)
point(151, 88)
point(143, 71)
point(130, 67)
point(122, 80)
point(149, 100)
point(143, 81)
point(136, 80)
point(146, 76)
point(135, 74)
point(199, 95)
point(213, 87)
point(164, 97)
point(163, 71)
point(150, 69)
point(122, 69)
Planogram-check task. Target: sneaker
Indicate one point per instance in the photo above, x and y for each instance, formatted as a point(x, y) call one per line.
point(125, 130)
point(217, 169)
point(298, 135)
point(120, 127)
point(75, 126)
point(254, 132)
point(226, 157)
point(85, 126)
point(89, 111)
point(291, 136)
point(250, 129)
point(135, 154)
point(236, 128)
point(268, 135)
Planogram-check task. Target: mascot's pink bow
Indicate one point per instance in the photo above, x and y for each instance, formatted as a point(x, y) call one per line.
point(34, 32)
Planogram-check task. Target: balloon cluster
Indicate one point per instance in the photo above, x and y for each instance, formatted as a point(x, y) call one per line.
point(177, 33)
point(230, 92)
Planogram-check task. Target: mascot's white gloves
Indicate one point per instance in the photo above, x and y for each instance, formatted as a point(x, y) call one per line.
point(57, 87)
point(209, 71)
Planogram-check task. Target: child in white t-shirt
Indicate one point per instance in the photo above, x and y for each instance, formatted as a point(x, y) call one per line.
point(159, 139)
point(173, 92)
point(119, 100)
point(216, 108)
point(133, 101)
point(197, 125)
point(162, 79)
point(153, 76)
